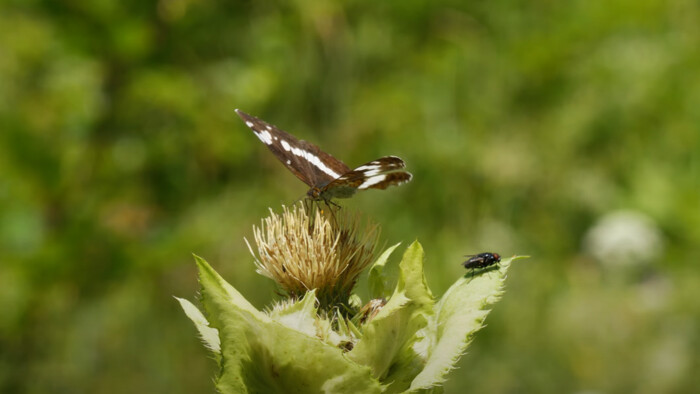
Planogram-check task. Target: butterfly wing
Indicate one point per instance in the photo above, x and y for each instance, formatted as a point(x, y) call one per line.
point(313, 166)
point(377, 174)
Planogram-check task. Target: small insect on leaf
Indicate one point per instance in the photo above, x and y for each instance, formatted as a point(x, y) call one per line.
point(481, 260)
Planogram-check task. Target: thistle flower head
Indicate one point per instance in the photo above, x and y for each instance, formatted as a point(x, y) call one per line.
point(306, 248)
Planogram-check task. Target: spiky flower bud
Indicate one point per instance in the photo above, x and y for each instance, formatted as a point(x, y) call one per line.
point(306, 248)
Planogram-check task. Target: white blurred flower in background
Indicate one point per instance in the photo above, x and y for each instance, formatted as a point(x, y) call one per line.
point(624, 238)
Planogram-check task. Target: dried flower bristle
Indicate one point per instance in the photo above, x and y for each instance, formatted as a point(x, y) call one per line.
point(302, 251)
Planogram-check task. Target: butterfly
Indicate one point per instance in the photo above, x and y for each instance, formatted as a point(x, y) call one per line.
point(326, 176)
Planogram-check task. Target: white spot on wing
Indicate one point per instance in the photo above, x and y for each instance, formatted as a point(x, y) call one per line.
point(265, 137)
point(249, 124)
point(310, 157)
point(367, 167)
point(371, 181)
point(289, 162)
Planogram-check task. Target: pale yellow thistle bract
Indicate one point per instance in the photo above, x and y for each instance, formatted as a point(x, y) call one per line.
point(306, 248)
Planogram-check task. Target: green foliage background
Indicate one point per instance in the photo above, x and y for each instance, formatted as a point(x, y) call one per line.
point(523, 122)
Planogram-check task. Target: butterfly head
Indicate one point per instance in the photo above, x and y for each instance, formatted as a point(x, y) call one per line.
point(314, 193)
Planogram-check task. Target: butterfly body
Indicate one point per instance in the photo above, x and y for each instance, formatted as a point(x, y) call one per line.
point(327, 176)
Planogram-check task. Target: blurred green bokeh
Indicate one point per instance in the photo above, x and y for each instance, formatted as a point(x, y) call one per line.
point(567, 131)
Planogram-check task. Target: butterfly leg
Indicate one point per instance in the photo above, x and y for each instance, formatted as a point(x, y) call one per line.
point(332, 207)
point(330, 203)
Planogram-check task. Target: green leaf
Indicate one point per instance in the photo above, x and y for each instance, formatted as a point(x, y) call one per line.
point(387, 342)
point(458, 315)
point(300, 315)
point(355, 302)
point(260, 355)
point(377, 279)
point(210, 280)
point(210, 336)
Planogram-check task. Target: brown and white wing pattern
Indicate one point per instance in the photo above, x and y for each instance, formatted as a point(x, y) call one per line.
point(377, 174)
point(327, 176)
point(307, 161)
